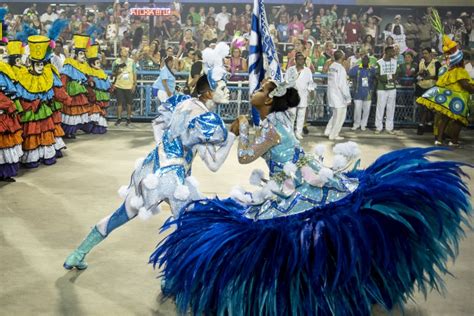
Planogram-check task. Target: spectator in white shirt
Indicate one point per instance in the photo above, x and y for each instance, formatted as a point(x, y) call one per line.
point(31, 10)
point(468, 64)
point(301, 77)
point(49, 16)
point(57, 59)
point(222, 19)
point(339, 96)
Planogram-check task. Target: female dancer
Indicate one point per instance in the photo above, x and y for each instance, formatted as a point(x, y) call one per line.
point(449, 98)
point(314, 240)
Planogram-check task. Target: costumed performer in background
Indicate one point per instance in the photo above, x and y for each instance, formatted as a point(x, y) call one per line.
point(35, 90)
point(449, 98)
point(74, 77)
point(99, 88)
point(61, 98)
point(10, 128)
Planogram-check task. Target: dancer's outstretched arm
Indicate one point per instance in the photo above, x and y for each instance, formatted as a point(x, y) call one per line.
point(213, 155)
point(266, 138)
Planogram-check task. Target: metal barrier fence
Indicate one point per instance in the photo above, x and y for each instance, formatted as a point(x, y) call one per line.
point(145, 107)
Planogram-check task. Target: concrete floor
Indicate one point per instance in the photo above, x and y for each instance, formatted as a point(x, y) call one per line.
point(48, 211)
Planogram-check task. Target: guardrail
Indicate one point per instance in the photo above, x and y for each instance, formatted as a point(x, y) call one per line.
point(145, 107)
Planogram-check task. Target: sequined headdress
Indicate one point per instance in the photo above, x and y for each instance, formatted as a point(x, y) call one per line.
point(281, 88)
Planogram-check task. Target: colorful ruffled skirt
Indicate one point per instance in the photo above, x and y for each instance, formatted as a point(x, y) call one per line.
point(98, 112)
point(10, 139)
point(76, 115)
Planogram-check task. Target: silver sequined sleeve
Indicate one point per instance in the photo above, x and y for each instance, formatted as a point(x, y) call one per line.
point(265, 138)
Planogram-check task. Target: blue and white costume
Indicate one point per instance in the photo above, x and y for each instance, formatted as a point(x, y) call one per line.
point(164, 175)
point(184, 128)
point(315, 240)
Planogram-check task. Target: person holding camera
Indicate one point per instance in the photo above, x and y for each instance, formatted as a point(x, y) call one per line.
point(426, 79)
point(125, 73)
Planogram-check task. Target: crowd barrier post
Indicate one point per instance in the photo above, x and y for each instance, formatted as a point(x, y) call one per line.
point(239, 97)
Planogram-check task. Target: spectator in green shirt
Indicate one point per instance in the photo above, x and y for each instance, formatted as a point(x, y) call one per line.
point(196, 17)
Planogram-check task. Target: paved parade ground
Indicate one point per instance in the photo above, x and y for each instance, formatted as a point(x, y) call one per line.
point(48, 211)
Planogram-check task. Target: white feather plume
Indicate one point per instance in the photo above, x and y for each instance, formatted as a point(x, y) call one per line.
point(290, 169)
point(347, 149)
point(319, 181)
point(136, 202)
point(213, 58)
point(288, 186)
point(339, 162)
point(256, 177)
point(319, 150)
point(181, 192)
point(218, 72)
point(123, 191)
point(144, 214)
point(326, 173)
point(151, 181)
point(222, 49)
point(272, 186)
point(259, 196)
point(269, 189)
point(238, 193)
point(139, 162)
point(192, 181)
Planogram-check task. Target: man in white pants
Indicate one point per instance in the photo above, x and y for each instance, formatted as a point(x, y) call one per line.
point(301, 78)
point(339, 96)
point(386, 91)
point(363, 77)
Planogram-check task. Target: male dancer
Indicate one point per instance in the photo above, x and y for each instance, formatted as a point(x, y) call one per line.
point(164, 175)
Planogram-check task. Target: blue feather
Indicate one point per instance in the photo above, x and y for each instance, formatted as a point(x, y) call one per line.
point(392, 236)
point(94, 31)
point(26, 31)
point(3, 12)
point(56, 28)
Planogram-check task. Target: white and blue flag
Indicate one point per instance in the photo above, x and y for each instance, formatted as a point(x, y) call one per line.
point(263, 54)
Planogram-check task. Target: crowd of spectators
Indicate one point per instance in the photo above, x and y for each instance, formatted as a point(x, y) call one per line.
point(314, 31)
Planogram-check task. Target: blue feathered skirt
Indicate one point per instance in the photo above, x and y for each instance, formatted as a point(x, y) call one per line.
point(391, 236)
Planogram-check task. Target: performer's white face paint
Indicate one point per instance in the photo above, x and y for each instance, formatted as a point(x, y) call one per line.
point(81, 56)
point(221, 95)
point(18, 61)
point(38, 67)
point(96, 64)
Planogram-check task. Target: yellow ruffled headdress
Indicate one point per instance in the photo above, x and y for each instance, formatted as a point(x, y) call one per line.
point(15, 47)
point(80, 41)
point(40, 47)
point(92, 51)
